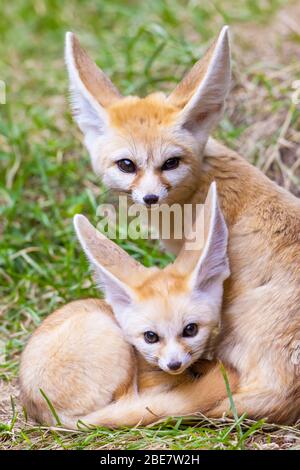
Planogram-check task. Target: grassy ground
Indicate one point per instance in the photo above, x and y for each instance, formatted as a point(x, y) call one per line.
point(45, 174)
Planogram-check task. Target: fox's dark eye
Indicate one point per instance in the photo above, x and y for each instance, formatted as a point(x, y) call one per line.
point(126, 165)
point(151, 337)
point(190, 330)
point(170, 164)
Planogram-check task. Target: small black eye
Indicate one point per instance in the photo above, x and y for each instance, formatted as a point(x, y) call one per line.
point(171, 164)
point(126, 165)
point(151, 337)
point(190, 330)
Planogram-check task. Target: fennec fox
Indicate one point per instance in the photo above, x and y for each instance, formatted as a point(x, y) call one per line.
point(158, 149)
point(82, 356)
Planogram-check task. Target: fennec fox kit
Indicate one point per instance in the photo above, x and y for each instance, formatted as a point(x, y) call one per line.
point(158, 149)
point(82, 357)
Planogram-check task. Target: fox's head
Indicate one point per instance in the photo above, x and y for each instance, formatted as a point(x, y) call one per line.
point(168, 314)
point(150, 148)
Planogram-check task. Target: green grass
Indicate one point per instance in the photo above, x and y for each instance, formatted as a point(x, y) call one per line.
point(45, 178)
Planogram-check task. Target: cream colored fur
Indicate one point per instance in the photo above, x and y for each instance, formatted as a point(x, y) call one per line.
point(82, 356)
point(261, 320)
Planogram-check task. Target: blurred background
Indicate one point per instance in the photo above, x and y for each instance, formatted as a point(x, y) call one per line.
point(45, 174)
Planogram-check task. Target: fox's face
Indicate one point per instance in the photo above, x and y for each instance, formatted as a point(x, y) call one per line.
point(145, 154)
point(169, 323)
point(150, 148)
point(169, 314)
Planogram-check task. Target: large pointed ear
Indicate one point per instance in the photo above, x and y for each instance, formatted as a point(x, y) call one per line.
point(202, 92)
point(207, 266)
point(91, 91)
point(115, 270)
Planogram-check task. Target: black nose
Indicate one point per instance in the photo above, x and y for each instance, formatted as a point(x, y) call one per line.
point(150, 199)
point(174, 365)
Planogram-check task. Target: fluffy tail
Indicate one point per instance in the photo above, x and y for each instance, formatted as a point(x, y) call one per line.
point(148, 408)
point(275, 407)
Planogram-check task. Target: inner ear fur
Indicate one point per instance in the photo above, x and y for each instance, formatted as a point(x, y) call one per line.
point(188, 259)
point(184, 91)
point(94, 80)
point(202, 92)
point(107, 254)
